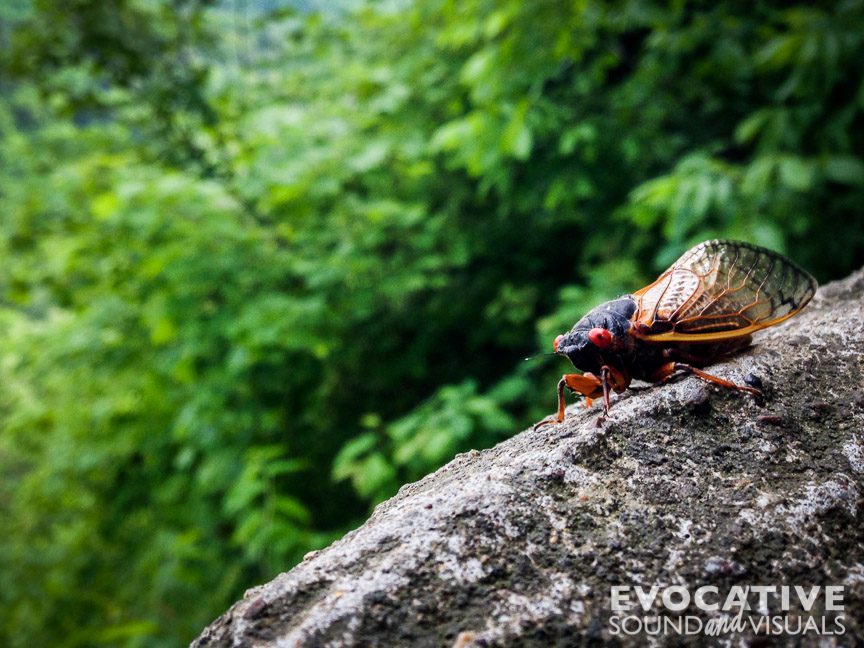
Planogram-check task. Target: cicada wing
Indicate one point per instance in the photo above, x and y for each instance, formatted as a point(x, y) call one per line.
point(719, 290)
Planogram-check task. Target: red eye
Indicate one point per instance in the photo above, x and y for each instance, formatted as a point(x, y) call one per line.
point(556, 343)
point(600, 337)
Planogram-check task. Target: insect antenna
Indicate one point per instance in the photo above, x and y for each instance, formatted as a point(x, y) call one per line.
point(539, 355)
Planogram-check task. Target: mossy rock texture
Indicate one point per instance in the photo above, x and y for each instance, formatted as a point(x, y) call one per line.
point(680, 484)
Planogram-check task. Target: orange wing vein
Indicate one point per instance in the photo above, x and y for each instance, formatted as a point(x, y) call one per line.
point(721, 290)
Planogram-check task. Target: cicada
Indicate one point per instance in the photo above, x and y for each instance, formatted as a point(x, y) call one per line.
point(705, 307)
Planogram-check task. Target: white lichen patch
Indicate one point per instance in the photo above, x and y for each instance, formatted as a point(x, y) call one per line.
point(855, 576)
point(795, 511)
point(834, 494)
point(515, 611)
point(763, 500)
point(456, 563)
point(673, 561)
point(854, 453)
point(685, 531)
point(341, 603)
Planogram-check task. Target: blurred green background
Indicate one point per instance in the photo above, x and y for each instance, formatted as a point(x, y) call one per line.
point(263, 262)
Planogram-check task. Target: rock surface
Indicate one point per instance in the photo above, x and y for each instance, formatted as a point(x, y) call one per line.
point(681, 484)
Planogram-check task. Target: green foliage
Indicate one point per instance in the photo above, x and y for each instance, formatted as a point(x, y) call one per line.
point(455, 419)
point(260, 270)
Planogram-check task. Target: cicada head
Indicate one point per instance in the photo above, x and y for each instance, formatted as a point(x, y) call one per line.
point(598, 338)
point(578, 348)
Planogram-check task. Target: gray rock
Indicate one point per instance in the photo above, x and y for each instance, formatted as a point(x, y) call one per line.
point(682, 484)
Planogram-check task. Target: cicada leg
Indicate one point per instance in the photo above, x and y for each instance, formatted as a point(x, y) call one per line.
point(612, 378)
point(586, 384)
point(604, 378)
point(666, 371)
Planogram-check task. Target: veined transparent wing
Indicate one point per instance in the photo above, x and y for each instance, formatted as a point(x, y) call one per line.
point(721, 290)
